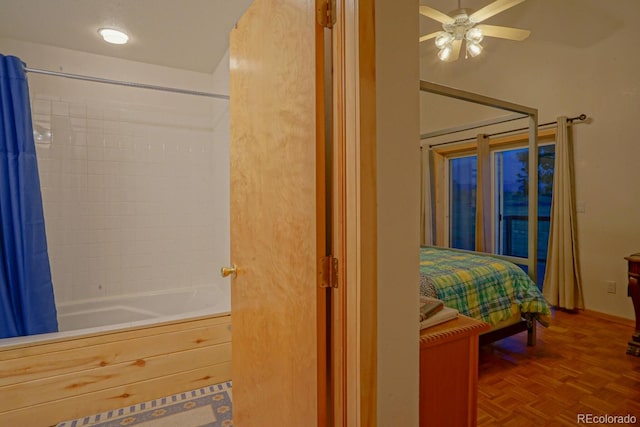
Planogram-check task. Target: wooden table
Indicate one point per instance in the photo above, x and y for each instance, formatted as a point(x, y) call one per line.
point(449, 372)
point(634, 292)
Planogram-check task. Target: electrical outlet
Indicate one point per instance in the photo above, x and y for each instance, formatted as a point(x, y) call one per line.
point(611, 287)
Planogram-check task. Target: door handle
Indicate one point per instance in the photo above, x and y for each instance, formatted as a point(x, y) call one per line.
point(229, 271)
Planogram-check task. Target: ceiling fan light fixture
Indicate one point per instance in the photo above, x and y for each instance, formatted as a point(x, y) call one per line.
point(474, 35)
point(474, 49)
point(462, 25)
point(445, 52)
point(443, 39)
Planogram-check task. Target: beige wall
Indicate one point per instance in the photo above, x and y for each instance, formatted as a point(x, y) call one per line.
point(572, 63)
point(134, 182)
point(398, 180)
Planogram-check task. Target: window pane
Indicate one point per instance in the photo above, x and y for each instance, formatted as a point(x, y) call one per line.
point(514, 203)
point(462, 205)
point(512, 189)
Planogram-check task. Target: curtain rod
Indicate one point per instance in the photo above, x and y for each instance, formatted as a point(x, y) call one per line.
point(581, 117)
point(124, 83)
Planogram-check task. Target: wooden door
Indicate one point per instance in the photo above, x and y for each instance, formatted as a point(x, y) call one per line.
point(277, 216)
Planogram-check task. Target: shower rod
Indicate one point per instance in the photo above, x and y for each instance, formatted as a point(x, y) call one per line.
point(124, 83)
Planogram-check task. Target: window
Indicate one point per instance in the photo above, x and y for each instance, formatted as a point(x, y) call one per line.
point(456, 184)
point(511, 203)
point(462, 202)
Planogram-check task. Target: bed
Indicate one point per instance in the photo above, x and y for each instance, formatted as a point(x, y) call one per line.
point(485, 288)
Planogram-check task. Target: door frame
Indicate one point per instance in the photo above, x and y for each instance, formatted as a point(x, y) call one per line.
point(354, 320)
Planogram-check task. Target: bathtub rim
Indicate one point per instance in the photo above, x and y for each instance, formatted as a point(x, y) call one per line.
point(56, 337)
point(61, 306)
point(28, 340)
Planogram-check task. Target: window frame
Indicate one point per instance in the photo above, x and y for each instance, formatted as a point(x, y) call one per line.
point(533, 134)
point(495, 234)
point(441, 157)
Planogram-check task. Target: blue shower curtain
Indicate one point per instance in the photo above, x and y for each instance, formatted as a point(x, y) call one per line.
point(27, 304)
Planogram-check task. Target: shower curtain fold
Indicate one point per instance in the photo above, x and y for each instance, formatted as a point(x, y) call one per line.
point(27, 303)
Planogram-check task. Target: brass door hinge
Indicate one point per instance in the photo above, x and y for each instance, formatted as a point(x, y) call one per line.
point(326, 11)
point(329, 272)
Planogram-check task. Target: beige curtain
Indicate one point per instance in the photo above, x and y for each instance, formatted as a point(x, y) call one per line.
point(426, 212)
point(483, 197)
point(562, 286)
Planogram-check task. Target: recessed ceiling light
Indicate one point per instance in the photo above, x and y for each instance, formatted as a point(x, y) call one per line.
point(113, 36)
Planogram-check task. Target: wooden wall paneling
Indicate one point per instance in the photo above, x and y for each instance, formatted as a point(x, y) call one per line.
point(20, 395)
point(53, 412)
point(71, 377)
point(60, 362)
point(101, 337)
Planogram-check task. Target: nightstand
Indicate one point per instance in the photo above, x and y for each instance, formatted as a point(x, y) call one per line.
point(634, 292)
point(449, 372)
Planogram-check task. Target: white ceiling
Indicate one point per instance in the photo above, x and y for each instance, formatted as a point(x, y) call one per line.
point(186, 34)
point(194, 34)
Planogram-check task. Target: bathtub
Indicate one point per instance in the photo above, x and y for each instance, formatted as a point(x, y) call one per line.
point(138, 309)
point(115, 352)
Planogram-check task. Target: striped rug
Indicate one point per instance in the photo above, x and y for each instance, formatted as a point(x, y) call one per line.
point(205, 407)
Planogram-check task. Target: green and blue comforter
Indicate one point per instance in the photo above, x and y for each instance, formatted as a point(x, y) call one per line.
point(480, 286)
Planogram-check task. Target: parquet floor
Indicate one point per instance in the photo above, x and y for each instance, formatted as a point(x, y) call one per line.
point(579, 366)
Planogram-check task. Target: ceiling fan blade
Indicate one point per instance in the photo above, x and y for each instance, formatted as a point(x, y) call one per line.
point(503, 32)
point(429, 36)
point(455, 53)
point(493, 9)
point(435, 15)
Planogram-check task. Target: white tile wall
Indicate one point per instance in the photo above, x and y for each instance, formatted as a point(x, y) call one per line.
point(132, 196)
point(135, 182)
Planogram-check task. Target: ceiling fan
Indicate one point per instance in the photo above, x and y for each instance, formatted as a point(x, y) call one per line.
point(462, 24)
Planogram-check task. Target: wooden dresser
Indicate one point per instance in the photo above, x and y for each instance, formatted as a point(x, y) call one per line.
point(449, 373)
point(634, 292)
